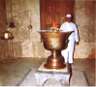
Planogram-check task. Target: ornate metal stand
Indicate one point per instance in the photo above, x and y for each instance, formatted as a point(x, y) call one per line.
point(55, 41)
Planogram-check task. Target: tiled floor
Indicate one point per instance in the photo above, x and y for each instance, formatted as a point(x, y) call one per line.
point(89, 67)
point(13, 71)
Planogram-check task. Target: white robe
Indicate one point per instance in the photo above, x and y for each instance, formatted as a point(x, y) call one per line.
point(68, 53)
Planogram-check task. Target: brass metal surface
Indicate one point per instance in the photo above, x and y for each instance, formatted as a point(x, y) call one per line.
point(55, 41)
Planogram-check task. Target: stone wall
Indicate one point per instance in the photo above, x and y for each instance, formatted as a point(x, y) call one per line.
point(2, 27)
point(27, 41)
point(85, 18)
point(2, 16)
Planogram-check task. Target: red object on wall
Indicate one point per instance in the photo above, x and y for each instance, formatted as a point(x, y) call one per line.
point(54, 10)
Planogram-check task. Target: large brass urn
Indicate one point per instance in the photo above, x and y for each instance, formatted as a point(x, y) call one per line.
point(55, 41)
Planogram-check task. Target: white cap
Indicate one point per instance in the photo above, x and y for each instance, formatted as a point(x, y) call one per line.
point(68, 15)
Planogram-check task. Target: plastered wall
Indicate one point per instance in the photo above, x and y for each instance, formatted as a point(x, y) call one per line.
point(27, 43)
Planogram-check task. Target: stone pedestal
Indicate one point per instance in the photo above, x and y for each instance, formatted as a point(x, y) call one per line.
point(42, 75)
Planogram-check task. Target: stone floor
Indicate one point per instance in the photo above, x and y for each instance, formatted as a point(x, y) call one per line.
point(14, 71)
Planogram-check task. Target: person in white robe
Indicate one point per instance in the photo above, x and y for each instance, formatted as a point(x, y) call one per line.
point(68, 25)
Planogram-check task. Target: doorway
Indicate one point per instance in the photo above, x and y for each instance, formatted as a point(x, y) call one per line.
point(54, 10)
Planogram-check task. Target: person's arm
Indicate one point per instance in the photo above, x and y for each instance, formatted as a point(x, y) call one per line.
point(77, 38)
